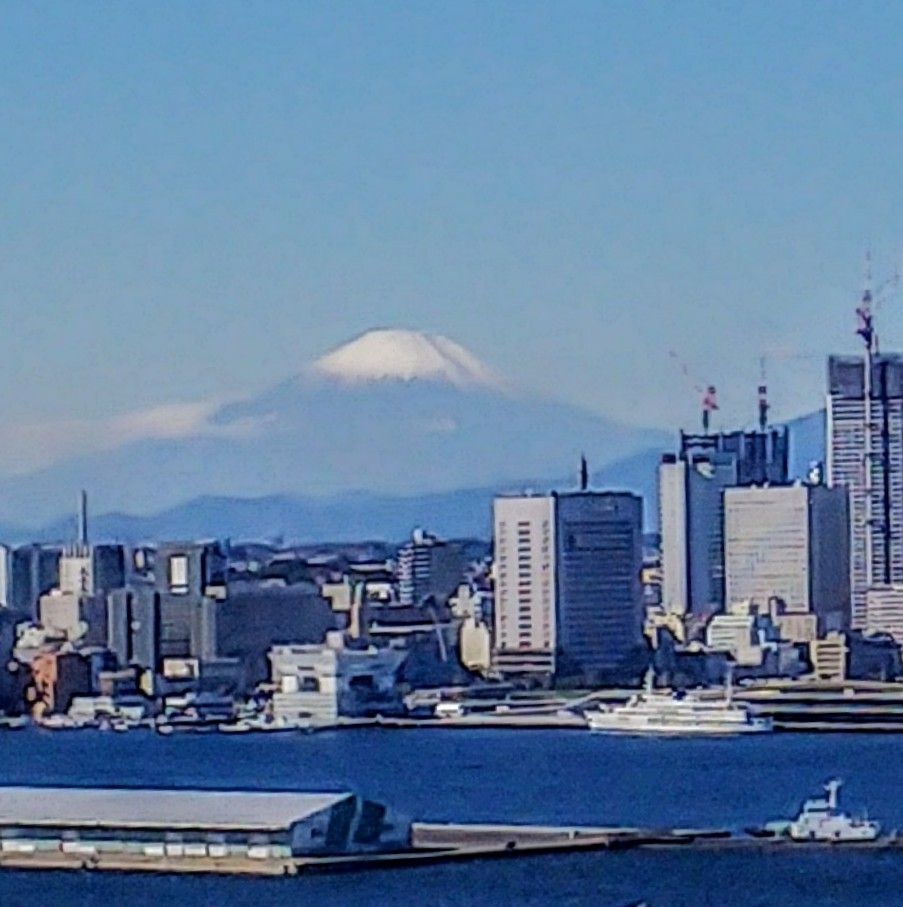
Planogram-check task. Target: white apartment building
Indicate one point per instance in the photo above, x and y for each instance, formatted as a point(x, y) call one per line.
point(524, 538)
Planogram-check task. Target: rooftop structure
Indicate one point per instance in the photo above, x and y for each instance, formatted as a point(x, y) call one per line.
point(761, 456)
point(691, 508)
point(170, 809)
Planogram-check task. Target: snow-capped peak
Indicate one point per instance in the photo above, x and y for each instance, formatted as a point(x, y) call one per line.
point(404, 355)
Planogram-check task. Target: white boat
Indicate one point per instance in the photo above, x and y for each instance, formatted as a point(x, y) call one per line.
point(14, 723)
point(821, 819)
point(678, 714)
point(448, 710)
point(260, 725)
point(236, 727)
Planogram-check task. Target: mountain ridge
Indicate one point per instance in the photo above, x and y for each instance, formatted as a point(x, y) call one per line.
point(358, 515)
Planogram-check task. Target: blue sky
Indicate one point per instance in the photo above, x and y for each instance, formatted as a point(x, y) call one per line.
point(198, 197)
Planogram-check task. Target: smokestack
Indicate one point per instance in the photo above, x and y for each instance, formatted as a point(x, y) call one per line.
point(584, 473)
point(83, 518)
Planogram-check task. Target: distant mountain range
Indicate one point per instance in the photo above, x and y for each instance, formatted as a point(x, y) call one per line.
point(430, 433)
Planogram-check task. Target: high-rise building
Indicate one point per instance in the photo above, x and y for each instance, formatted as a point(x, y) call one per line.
point(691, 508)
point(108, 567)
point(524, 615)
point(599, 593)
point(184, 575)
point(876, 518)
point(428, 568)
point(568, 595)
point(789, 543)
point(35, 570)
point(133, 626)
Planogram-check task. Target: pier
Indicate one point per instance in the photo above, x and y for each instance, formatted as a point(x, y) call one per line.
point(442, 843)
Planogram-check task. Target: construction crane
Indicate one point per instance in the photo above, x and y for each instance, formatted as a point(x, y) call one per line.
point(708, 393)
point(865, 329)
point(763, 396)
point(767, 360)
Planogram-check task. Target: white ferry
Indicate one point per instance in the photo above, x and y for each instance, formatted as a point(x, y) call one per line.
point(821, 819)
point(679, 714)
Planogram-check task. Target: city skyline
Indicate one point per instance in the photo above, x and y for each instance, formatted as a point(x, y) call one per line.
point(464, 438)
point(231, 215)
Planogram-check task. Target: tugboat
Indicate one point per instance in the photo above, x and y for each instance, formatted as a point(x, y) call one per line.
point(821, 819)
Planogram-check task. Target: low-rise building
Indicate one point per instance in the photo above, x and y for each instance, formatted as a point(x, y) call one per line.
point(884, 611)
point(190, 824)
point(56, 678)
point(315, 684)
point(829, 657)
point(744, 636)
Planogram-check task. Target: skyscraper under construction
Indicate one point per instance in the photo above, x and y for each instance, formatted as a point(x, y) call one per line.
point(870, 464)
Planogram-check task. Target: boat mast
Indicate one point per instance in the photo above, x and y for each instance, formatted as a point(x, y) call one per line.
point(831, 789)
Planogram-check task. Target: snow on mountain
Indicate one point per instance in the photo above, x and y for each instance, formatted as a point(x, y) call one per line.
point(391, 413)
point(395, 354)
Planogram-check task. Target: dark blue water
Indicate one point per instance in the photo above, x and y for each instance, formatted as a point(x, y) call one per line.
point(517, 776)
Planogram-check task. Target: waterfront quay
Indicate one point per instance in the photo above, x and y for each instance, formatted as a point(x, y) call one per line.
point(800, 705)
point(439, 843)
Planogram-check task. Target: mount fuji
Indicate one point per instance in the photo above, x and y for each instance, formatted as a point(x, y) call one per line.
point(391, 414)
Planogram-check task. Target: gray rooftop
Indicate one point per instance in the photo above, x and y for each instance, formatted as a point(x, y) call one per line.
point(165, 809)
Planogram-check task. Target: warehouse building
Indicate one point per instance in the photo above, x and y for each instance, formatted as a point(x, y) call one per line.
point(194, 823)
